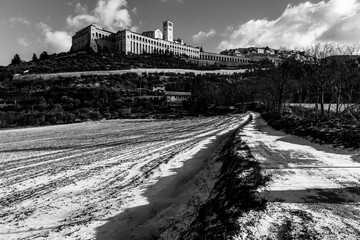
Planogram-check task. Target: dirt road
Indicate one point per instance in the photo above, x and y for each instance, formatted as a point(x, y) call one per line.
point(138, 71)
point(314, 192)
point(69, 181)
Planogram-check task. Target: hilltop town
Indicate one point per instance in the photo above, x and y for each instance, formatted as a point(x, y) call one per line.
point(274, 55)
point(125, 41)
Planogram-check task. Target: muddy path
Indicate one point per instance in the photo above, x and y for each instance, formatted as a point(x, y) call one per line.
point(314, 192)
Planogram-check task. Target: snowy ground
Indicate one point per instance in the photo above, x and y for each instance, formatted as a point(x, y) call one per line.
point(314, 192)
point(66, 182)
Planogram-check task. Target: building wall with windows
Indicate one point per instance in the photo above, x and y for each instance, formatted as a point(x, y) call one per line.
point(168, 28)
point(212, 58)
point(157, 34)
point(176, 98)
point(129, 42)
point(93, 37)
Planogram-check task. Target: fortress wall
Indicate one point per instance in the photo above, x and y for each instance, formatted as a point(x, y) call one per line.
point(81, 41)
point(101, 38)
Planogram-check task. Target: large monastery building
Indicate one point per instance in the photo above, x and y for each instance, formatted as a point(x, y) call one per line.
point(129, 42)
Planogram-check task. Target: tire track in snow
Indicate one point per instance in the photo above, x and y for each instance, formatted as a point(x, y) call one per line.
point(314, 193)
point(71, 175)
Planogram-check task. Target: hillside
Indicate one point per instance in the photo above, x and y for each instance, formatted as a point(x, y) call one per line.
point(59, 100)
point(75, 62)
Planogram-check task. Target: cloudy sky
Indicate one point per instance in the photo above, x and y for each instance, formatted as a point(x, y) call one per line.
point(33, 26)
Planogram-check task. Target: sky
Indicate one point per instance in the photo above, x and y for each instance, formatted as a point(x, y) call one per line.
point(34, 26)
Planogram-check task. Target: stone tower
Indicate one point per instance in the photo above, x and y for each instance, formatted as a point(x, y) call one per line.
point(168, 28)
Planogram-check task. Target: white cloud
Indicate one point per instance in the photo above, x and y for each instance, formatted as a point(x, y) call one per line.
point(134, 28)
point(111, 14)
point(80, 9)
point(301, 25)
point(201, 36)
point(80, 21)
point(23, 42)
point(18, 19)
point(54, 41)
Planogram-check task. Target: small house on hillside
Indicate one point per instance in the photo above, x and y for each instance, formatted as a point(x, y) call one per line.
point(158, 88)
point(176, 98)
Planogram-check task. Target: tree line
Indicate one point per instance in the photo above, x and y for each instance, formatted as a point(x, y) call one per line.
point(329, 81)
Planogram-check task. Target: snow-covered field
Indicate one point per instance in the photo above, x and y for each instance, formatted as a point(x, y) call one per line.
point(64, 182)
point(314, 192)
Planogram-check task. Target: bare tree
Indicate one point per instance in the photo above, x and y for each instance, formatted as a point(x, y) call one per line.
point(278, 84)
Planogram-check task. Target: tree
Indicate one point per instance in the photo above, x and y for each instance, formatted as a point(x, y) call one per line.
point(44, 55)
point(16, 59)
point(278, 84)
point(34, 57)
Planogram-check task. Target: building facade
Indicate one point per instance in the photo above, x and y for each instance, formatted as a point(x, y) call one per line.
point(215, 58)
point(129, 42)
point(93, 37)
point(175, 99)
point(157, 34)
point(168, 31)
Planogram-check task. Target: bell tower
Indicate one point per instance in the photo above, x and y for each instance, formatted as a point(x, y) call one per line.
point(168, 29)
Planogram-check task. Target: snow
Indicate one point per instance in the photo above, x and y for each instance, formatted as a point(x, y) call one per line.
point(314, 190)
point(67, 182)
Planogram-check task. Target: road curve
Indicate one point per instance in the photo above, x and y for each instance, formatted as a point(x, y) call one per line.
point(138, 71)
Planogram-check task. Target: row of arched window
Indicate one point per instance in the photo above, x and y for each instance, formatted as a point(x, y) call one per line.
point(138, 48)
point(103, 36)
point(174, 46)
point(222, 58)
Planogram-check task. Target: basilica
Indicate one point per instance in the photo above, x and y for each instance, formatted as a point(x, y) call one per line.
point(157, 41)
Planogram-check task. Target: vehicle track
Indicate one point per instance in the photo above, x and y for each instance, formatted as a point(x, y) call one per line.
point(60, 182)
point(314, 192)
